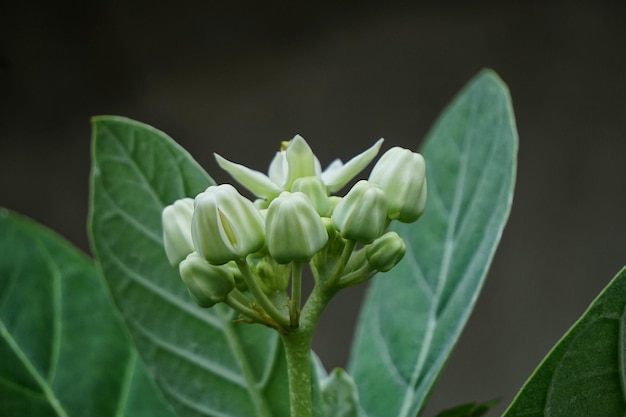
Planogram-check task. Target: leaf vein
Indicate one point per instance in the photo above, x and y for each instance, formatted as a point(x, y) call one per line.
point(385, 353)
point(188, 356)
point(448, 249)
point(159, 292)
point(131, 162)
point(41, 381)
point(138, 225)
point(126, 384)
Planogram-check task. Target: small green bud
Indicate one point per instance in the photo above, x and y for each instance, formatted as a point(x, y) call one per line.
point(315, 190)
point(274, 277)
point(333, 200)
point(176, 219)
point(294, 230)
point(207, 284)
point(225, 225)
point(385, 252)
point(361, 215)
point(402, 175)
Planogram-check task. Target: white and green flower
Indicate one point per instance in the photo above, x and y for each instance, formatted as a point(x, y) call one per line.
point(297, 160)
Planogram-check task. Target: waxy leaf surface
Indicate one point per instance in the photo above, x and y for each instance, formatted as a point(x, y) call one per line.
point(63, 349)
point(414, 314)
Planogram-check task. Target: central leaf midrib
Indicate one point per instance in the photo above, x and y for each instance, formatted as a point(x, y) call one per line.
point(443, 270)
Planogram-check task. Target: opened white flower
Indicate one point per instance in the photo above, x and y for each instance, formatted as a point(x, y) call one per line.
point(297, 160)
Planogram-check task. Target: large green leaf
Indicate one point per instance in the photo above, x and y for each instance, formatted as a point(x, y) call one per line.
point(63, 349)
point(585, 373)
point(414, 314)
point(205, 364)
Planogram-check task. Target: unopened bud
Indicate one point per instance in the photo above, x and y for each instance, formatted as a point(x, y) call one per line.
point(226, 226)
point(361, 215)
point(401, 173)
point(207, 284)
point(294, 230)
point(315, 190)
point(176, 219)
point(385, 252)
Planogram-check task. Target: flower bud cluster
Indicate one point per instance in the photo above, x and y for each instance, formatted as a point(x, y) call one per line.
point(230, 249)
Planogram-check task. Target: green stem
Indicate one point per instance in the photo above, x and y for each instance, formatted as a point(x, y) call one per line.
point(264, 302)
point(298, 352)
point(296, 294)
point(341, 264)
point(239, 305)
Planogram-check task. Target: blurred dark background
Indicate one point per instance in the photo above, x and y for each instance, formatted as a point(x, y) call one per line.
point(238, 77)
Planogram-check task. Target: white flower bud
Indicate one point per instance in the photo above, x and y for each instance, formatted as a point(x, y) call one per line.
point(401, 173)
point(176, 219)
point(207, 284)
point(361, 215)
point(294, 230)
point(225, 225)
point(315, 190)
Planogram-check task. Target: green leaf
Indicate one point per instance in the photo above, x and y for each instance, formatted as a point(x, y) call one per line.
point(63, 349)
point(340, 395)
point(205, 364)
point(414, 314)
point(469, 409)
point(584, 375)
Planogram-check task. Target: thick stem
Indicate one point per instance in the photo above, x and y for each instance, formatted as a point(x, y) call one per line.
point(296, 294)
point(298, 352)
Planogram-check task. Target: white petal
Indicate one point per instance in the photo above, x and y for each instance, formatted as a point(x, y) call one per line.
point(336, 177)
point(278, 169)
point(255, 181)
point(300, 160)
point(336, 164)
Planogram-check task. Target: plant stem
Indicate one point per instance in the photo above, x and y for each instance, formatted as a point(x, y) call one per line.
point(296, 294)
point(341, 263)
point(264, 302)
point(298, 352)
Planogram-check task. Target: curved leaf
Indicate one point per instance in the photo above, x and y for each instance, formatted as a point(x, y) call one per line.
point(414, 314)
point(63, 347)
point(205, 364)
point(584, 375)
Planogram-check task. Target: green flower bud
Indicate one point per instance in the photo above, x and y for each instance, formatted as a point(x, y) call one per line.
point(207, 284)
point(402, 175)
point(273, 276)
point(333, 200)
point(176, 219)
point(294, 230)
point(225, 225)
point(361, 215)
point(315, 190)
point(385, 252)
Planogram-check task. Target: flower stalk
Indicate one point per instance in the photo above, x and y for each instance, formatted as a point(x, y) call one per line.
point(298, 352)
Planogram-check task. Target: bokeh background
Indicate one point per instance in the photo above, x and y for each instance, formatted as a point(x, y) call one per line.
point(238, 77)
